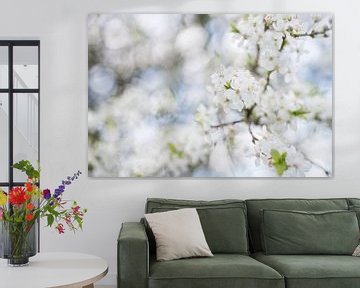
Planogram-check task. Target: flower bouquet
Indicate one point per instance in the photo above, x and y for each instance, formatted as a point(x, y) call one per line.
point(21, 208)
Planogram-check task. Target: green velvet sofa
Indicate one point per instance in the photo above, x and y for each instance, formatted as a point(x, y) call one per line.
point(233, 230)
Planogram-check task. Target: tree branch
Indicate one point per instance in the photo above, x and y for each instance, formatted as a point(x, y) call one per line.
point(227, 124)
point(312, 34)
point(267, 83)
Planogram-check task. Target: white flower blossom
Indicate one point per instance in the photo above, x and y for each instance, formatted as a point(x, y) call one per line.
point(269, 58)
point(235, 89)
point(250, 29)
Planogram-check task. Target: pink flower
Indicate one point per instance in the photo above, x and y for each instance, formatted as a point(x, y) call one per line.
point(60, 228)
point(68, 219)
point(76, 210)
point(1, 214)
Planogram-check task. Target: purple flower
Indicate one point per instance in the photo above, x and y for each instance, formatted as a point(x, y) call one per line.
point(58, 192)
point(68, 181)
point(46, 194)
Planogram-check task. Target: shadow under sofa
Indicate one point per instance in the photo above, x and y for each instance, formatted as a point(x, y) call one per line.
point(232, 229)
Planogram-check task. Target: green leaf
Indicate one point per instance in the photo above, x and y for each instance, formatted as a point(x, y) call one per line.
point(79, 221)
point(26, 167)
point(227, 85)
point(275, 155)
point(234, 29)
point(279, 161)
point(52, 211)
point(50, 219)
point(174, 151)
point(301, 112)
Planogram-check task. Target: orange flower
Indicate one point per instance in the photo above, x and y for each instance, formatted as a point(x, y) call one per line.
point(27, 196)
point(29, 206)
point(29, 187)
point(29, 217)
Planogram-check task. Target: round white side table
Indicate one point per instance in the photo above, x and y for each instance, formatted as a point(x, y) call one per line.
point(50, 270)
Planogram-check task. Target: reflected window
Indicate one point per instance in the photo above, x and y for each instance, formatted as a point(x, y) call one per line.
point(19, 108)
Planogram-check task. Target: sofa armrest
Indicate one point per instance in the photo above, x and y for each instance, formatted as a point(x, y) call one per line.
point(133, 256)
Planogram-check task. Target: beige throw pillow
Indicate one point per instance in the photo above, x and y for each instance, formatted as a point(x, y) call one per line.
point(357, 251)
point(178, 234)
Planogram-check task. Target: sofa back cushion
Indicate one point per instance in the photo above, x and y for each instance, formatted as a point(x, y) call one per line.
point(354, 205)
point(353, 201)
point(298, 232)
point(223, 221)
point(255, 206)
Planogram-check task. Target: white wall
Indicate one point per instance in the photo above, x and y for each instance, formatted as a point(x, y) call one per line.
point(61, 27)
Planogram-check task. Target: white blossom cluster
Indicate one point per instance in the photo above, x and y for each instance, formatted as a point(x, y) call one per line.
point(267, 91)
point(275, 41)
point(235, 89)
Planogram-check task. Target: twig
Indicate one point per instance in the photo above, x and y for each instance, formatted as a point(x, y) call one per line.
point(283, 43)
point(312, 34)
point(267, 84)
point(254, 139)
point(227, 124)
point(317, 164)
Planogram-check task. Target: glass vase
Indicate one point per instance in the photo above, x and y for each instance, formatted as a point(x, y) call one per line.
point(18, 242)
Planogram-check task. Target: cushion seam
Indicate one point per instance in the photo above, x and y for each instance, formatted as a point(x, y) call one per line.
point(281, 199)
point(180, 202)
point(286, 277)
point(308, 212)
point(214, 277)
point(200, 208)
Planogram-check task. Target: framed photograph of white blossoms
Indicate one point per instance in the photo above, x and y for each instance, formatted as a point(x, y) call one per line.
point(210, 95)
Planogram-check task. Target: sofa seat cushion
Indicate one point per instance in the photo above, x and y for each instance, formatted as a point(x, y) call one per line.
point(222, 270)
point(313, 271)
